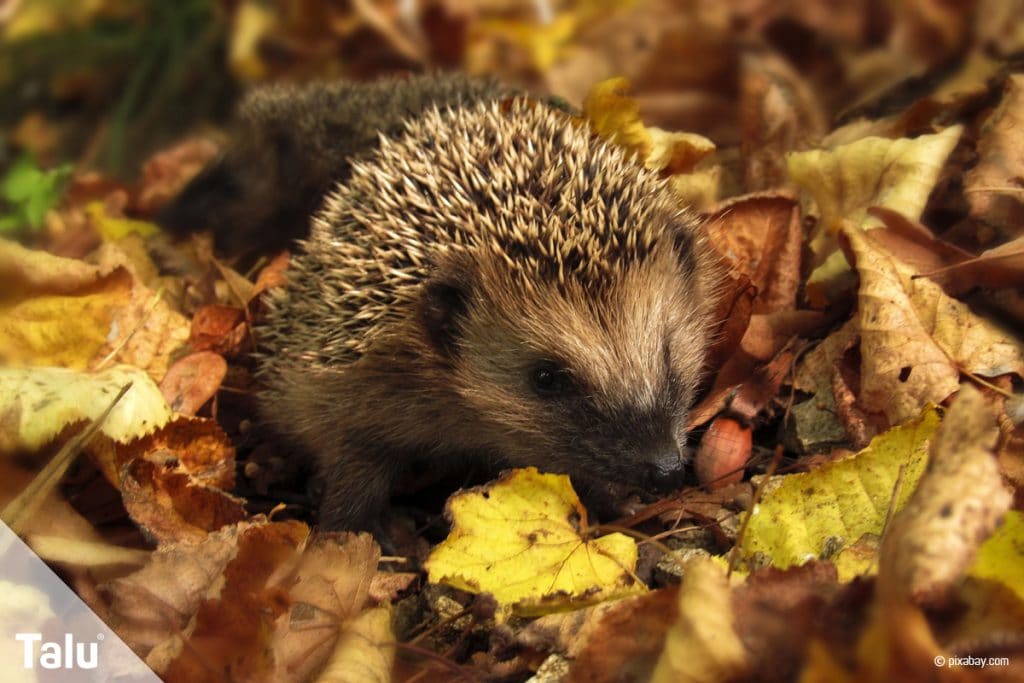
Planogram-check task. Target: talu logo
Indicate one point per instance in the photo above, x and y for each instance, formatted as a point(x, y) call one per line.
point(69, 655)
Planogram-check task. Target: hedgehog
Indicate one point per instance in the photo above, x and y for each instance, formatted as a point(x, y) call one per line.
point(291, 144)
point(496, 285)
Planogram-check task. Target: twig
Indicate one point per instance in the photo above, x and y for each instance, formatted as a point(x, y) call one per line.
point(734, 555)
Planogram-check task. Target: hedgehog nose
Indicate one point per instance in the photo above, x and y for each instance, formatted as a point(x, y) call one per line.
point(665, 468)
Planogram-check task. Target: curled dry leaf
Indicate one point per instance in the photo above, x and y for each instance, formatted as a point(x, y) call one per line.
point(627, 635)
point(166, 173)
point(365, 652)
point(248, 603)
point(171, 507)
point(218, 328)
point(916, 340)
point(524, 539)
point(157, 602)
point(199, 448)
point(703, 645)
point(845, 181)
point(568, 633)
point(779, 113)
point(615, 116)
point(958, 503)
point(274, 274)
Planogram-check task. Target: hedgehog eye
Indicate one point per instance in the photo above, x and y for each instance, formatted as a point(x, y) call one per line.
point(549, 379)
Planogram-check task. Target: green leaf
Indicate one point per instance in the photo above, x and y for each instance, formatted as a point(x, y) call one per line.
point(30, 192)
point(21, 180)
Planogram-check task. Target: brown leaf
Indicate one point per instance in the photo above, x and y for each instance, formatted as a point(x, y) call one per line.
point(958, 503)
point(915, 340)
point(274, 274)
point(760, 236)
point(779, 113)
point(779, 613)
point(331, 586)
point(218, 328)
point(170, 506)
point(703, 643)
point(166, 172)
point(628, 636)
point(198, 446)
point(156, 603)
point(232, 627)
point(193, 380)
point(993, 187)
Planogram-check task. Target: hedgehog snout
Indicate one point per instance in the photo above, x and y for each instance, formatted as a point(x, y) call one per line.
point(664, 467)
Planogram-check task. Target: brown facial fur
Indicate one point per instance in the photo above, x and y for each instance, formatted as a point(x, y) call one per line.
point(490, 242)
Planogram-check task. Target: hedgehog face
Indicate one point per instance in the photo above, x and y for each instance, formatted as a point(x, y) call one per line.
point(565, 377)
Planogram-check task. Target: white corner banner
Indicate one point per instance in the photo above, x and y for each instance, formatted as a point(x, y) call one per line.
point(48, 634)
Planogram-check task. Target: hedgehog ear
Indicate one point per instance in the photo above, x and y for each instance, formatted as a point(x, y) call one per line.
point(683, 244)
point(442, 307)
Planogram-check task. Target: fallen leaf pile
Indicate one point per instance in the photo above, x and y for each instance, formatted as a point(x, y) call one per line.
point(857, 506)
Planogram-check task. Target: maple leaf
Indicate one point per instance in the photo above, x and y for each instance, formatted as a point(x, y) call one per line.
point(524, 539)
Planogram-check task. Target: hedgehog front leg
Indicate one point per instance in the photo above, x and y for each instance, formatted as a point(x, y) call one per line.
point(357, 486)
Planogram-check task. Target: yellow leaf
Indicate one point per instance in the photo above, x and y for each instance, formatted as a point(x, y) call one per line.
point(845, 181)
point(841, 501)
point(252, 21)
point(63, 312)
point(615, 116)
point(676, 153)
point(524, 539)
point(703, 644)
point(112, 228)
point(365, 651)
point(68, 331)
point(43, 17)
point(1001, 557)
point(37, 403)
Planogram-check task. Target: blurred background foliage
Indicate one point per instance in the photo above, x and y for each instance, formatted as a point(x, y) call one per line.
point(105, 83)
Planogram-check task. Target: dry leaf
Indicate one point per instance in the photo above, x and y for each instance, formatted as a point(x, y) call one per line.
point(703, 645)
point(993, 187)
point(779, 113)
point(760, 236)
point(170, 506)
point(958, 503)
point(193, 380)
point(846, 181)
point(37, 404)
point(627, 635)
point(916, 340)
point(365, 652)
